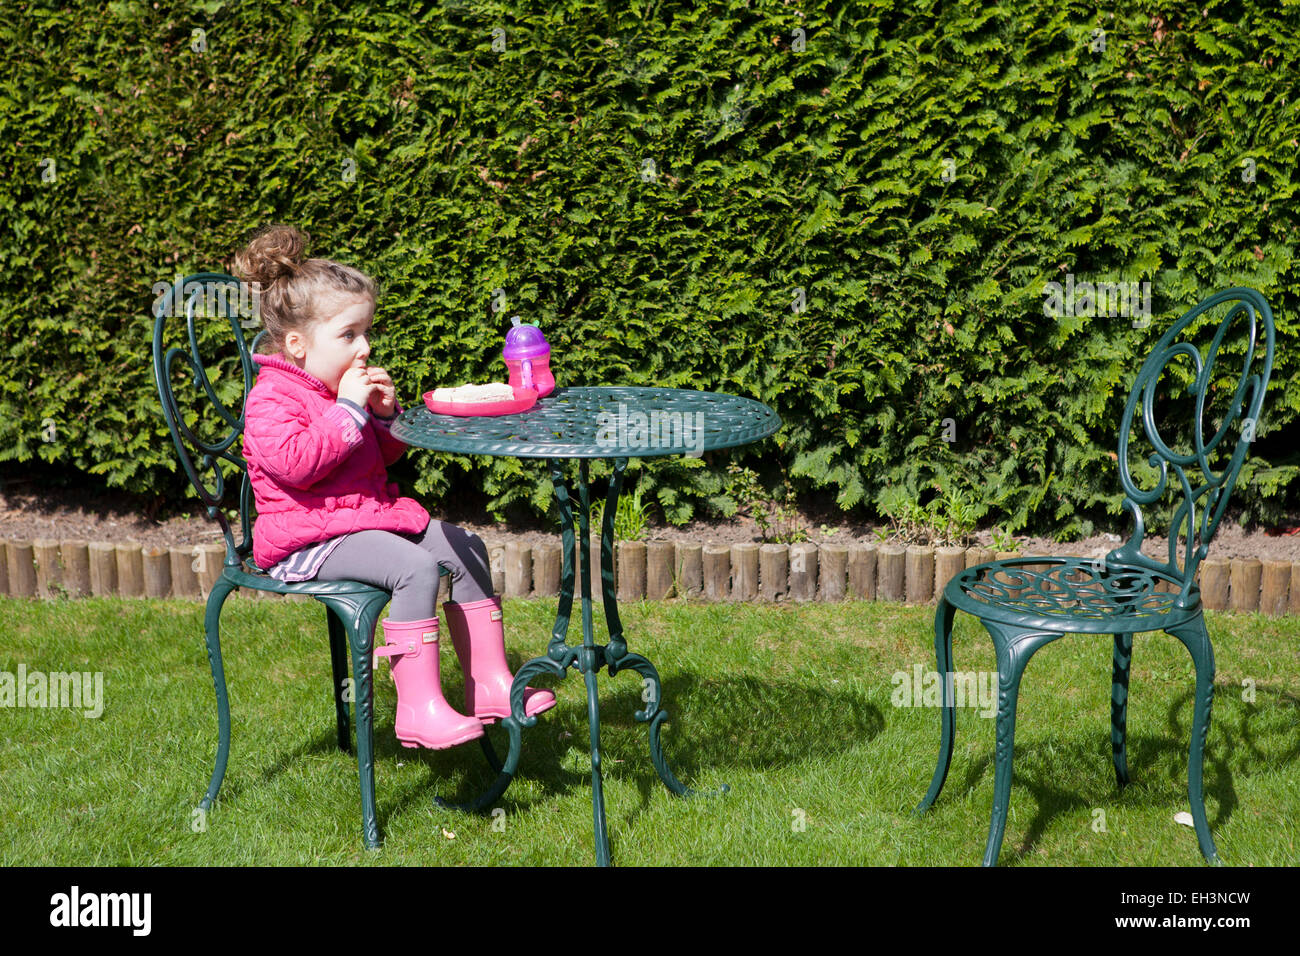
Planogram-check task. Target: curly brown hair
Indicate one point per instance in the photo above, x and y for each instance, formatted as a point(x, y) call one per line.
point(294, 293)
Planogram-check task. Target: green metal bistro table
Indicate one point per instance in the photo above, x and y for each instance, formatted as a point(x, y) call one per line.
point(582, 424)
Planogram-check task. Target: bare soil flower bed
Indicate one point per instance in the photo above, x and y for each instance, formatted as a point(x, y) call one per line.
point(31, 509)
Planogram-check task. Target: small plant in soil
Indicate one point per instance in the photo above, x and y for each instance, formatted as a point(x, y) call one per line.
point(949, 519)
point(631, 520)
point(777, 517)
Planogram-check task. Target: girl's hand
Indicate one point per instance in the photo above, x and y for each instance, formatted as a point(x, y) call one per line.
point(355, 386)
point(383, 397)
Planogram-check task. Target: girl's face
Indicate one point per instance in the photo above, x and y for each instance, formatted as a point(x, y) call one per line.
point(333, 345)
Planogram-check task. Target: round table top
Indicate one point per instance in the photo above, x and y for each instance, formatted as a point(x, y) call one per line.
point(604, 422)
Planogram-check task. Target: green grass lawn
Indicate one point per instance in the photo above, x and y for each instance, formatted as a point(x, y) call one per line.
point(790, 706)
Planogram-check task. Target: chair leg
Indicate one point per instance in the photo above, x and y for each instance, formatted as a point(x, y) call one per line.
point(947, 722)
point(1015, 645)
point(1197, 641)
point(361, 669)
point(212, 636)
point(1119, 706)
point(1008, 690)
point(359, 615)
point(339, 665)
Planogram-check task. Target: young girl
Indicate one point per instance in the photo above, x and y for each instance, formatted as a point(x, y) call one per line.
point(317, 444)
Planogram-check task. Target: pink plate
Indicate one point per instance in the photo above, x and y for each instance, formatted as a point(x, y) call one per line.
point(525, 398)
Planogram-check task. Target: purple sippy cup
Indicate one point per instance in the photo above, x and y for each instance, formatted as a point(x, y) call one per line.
point(528, 358)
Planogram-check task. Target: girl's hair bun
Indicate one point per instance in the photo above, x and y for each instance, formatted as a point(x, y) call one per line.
point(294, 292)
point(273, 253)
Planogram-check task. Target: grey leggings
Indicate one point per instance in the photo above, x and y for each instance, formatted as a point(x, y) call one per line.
point(407, 565)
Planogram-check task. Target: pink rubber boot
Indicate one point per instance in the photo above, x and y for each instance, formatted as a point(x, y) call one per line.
point(478, 635)
point(423, 715)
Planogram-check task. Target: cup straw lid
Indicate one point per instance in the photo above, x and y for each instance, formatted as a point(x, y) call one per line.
point(524, 341)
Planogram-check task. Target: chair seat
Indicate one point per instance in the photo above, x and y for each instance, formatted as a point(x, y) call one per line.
point(261, 581)
point(1070, 594)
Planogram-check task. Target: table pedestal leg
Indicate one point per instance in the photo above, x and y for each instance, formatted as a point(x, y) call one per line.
point(513, 726)
point(599, 829)
point(588, 658)
point(616, 653)
point(654, 714)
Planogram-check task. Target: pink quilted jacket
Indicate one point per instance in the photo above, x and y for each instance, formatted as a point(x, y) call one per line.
point(314, 473)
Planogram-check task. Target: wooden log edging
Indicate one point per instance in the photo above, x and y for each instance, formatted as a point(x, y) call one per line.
point(1244, 587)
point(496, 564)
point(715, 568)
point(157, 572)
point(1274, 584)
point(548, 563)
point(862, 571)
point(833, 571)
point(22, 569)
point(1213, 577)
point(130, 569)
point(920, 575)
point(659, 557)
point(1294, 605)
point(744, 571)
point(689, 579)
point(948, 561)
point(631, 565)
point(518, 569)
point(891, 573)
point(774, 571)
point(49, 570)
point(803, 571)
point(76, 567)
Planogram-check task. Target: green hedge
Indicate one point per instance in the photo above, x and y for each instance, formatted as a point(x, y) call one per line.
point(919, 176)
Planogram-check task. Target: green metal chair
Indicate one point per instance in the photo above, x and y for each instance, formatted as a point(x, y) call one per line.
point(212, 311)
point(1025, 603)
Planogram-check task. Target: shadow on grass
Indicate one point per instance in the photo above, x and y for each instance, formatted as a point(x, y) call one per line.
point(712, 725)
point(741, 722)
point(1237, 732)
